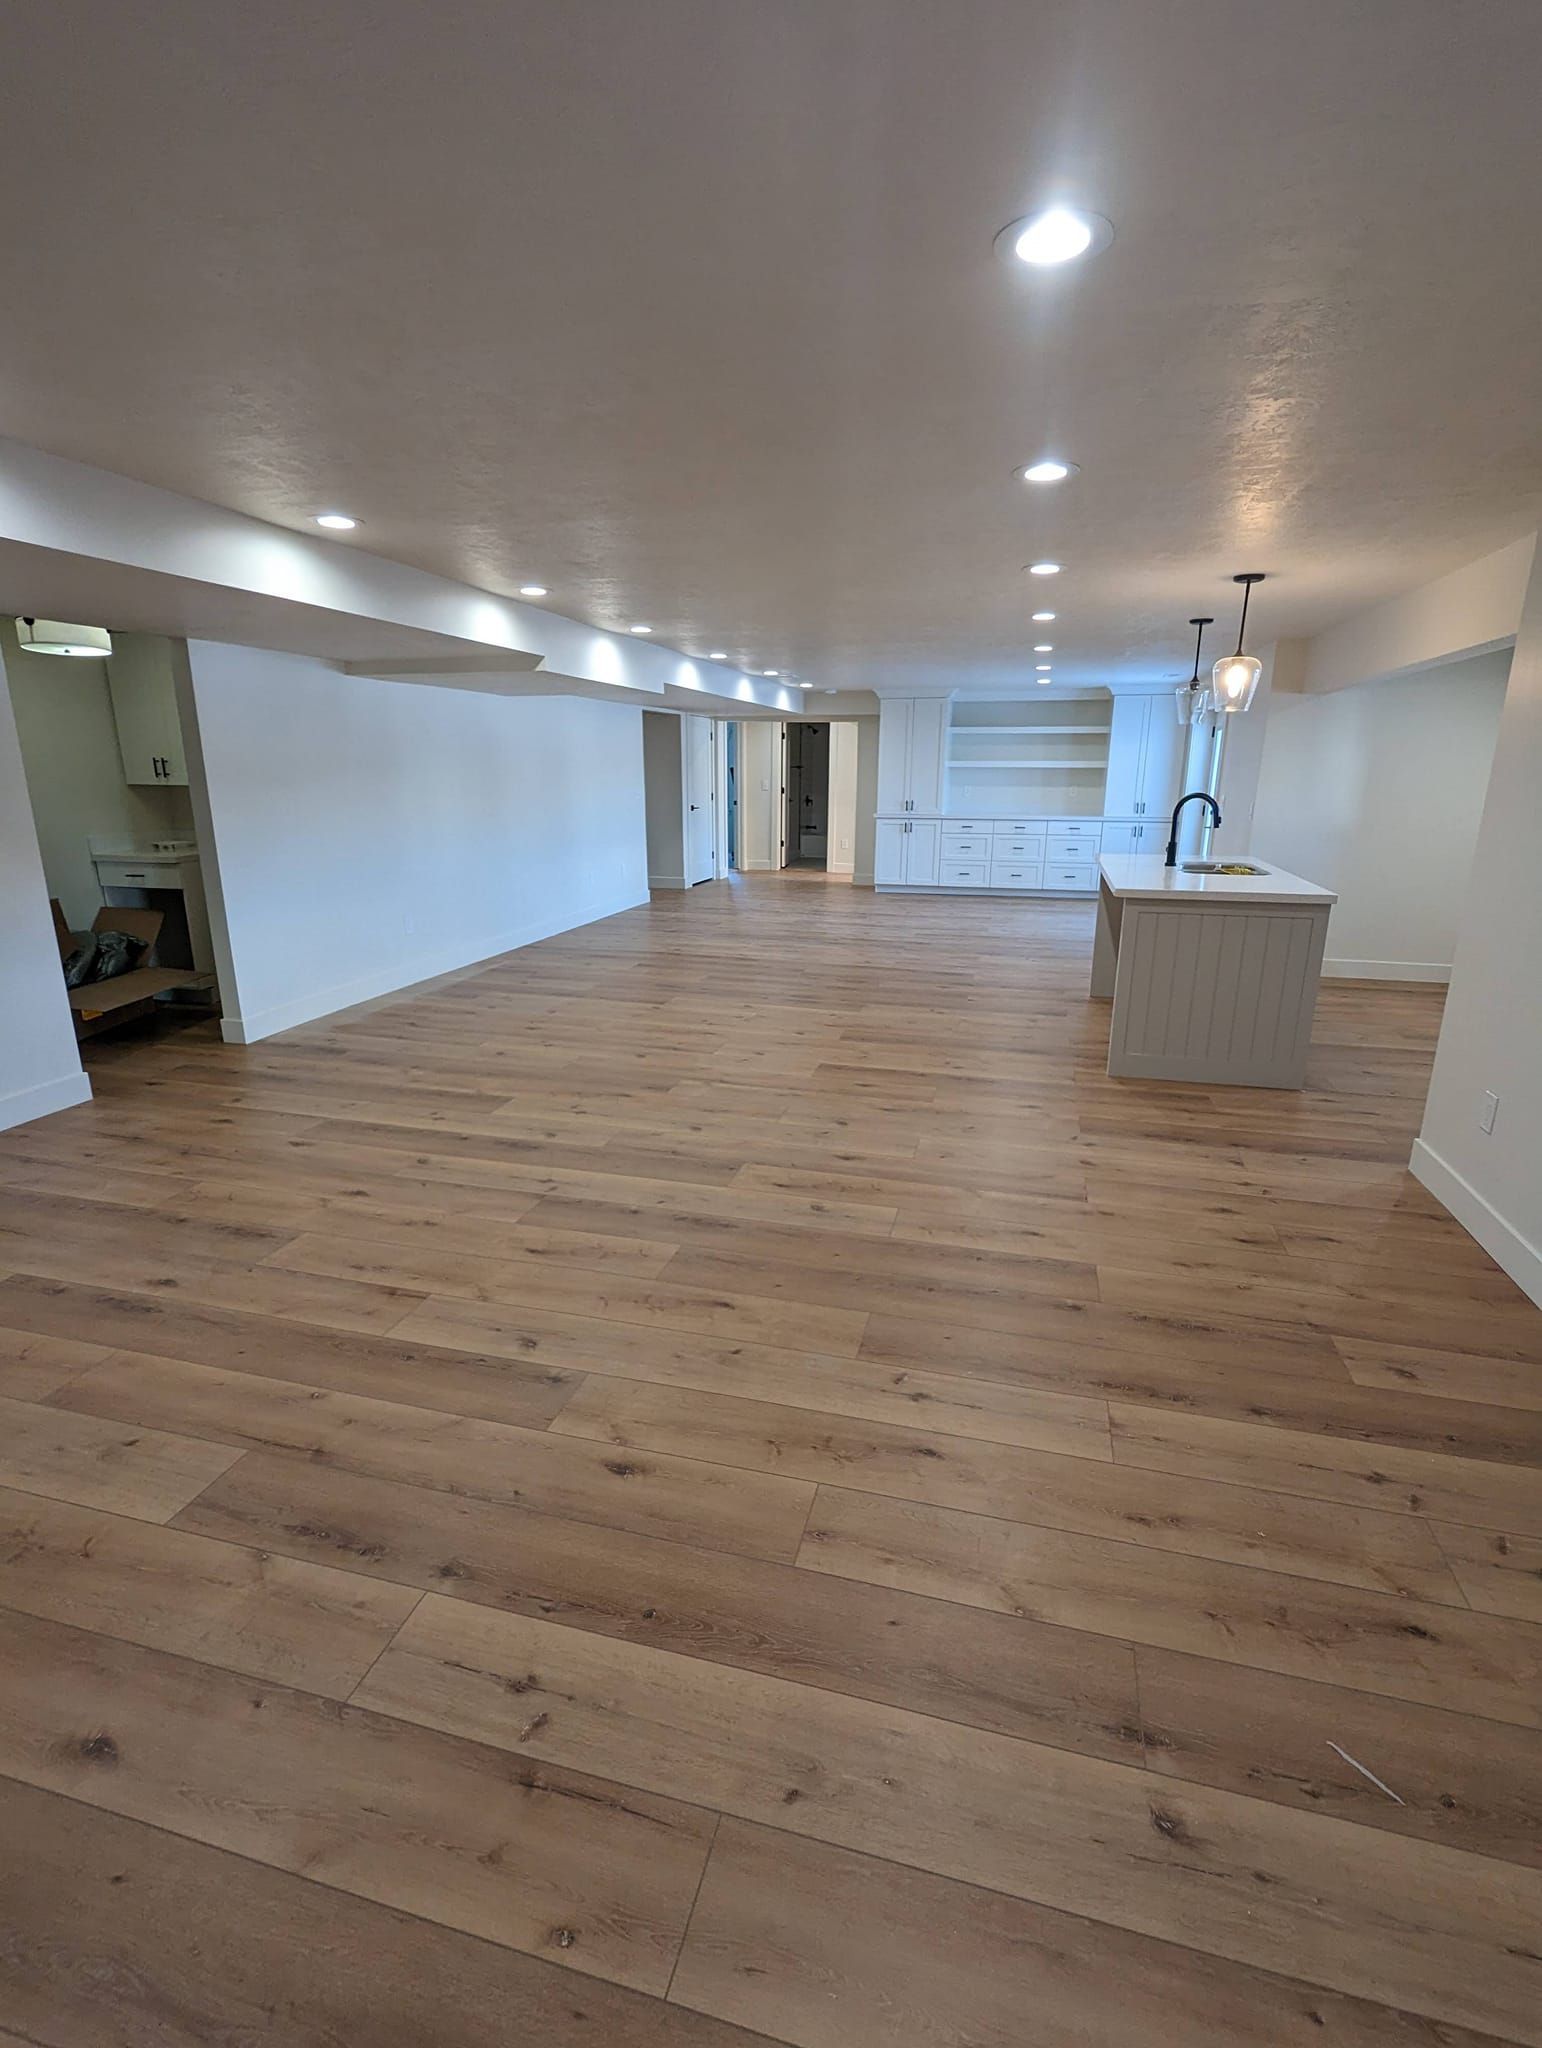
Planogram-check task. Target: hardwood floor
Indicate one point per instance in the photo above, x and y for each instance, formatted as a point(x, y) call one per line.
point(716, 1481)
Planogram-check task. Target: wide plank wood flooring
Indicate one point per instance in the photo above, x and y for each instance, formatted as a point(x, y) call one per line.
point(715, 1481)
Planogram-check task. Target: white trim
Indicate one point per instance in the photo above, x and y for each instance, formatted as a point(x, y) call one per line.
point(43, 1099)
point(1505, 1245)
point(667, 882)
point(1386, 970)
point(240, 1030)
point(754, 867)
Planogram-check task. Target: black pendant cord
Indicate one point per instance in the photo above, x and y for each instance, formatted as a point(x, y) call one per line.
point(1247, 581)
point(1199, 638)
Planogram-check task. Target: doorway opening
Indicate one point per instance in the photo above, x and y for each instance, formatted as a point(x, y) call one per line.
point(107, 778)
point(682, 770)
point(806, 786)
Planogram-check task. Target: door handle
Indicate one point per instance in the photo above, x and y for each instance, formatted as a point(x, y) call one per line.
point(695, 807)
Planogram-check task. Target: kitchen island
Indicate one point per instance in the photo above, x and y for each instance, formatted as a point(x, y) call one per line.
point(1213, 976)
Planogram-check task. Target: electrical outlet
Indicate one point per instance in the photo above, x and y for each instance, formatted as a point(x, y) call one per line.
point(1489, 1111)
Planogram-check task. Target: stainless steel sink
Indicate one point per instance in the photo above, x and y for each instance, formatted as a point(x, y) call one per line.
point(1222, 867)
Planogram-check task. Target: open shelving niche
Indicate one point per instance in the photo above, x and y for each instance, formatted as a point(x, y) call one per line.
point(1039, 756)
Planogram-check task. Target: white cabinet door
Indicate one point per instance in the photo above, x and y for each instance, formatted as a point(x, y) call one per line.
point(923, 851)
point(889, 851)
point(1162, 766)
point(894, 719)
point(1126, 753)
point(928, 753)
point(144, 708)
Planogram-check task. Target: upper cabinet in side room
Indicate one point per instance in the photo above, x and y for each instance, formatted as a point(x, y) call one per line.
point(141, 678)
point(912, 755)
point(1145, 757)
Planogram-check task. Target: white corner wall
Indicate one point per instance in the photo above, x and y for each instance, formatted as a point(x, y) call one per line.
point(1491, 1039)
point(365, 835)
point(841, 857)
point(760, 798)
point(1376, 792)
point(40, 1067)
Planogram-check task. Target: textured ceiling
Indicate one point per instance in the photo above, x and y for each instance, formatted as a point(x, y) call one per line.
point(688, 308)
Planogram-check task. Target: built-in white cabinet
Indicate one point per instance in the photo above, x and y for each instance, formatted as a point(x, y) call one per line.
point(144, 707)
point(1146, 747)
point(912, 755)
point(907, 852)
point(1135, 835)
point(1039, 855)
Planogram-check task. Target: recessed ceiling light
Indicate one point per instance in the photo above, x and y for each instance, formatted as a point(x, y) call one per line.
point(1043, 667)
point(1043, 682)
point(1044, 647)
point(1049, 471)
point(532, 590)
point(805, 686)
point(830, 689)
point(639, 629)
point(1043, 568)
point(336, 522)
point(773, 672)
point(719, 656)
point(1042, 618)
point(1059, 234)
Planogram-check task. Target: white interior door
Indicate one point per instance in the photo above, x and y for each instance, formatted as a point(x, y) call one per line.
point(700, 795)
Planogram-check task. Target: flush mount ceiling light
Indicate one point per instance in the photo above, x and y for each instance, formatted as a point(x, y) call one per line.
point(1042, 618)
point(1057, 234)
point(1049, 471)
point(639, 629)
point(1043, 568)
point(53, 636)
point(1234, 678)
point(336, 522)
point(532, 590)
point(1193, 697)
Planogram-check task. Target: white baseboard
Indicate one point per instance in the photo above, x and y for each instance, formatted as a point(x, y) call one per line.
point(1505, 1245)
point(27, 1104)
point(758, 867)
point(325, 1002)
point(666, 882)
point(1386, 970)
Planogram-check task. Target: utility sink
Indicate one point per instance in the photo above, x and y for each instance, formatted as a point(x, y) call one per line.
point(1222, 867)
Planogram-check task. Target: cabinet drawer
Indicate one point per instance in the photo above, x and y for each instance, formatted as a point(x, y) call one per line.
point(1017, 846)
point(964, 874)
point(967, 828)
point(1074, 828)
point(1058, 849)
point(1015, 826)
point(960, 846)
point(1059, 874)
point(1017, 874)
point(139, 874)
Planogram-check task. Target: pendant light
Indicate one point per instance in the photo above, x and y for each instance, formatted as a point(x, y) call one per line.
point(1193, 697)
point(1235, 676)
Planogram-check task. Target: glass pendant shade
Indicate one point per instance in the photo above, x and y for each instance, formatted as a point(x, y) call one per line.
point(1193, 701)
point(1234, 680)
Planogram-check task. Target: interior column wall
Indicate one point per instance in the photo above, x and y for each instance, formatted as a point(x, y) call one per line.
point(1492, 1180)
point(40, 1068)
point(369, 835)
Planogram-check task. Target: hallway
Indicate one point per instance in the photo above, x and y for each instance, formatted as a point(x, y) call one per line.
point(716, 1480)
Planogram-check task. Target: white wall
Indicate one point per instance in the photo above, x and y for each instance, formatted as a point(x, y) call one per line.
point(39, 1061)
point(760, 783)
point(1473, 610)
point(1376, 792)
point(69, 747)
point(841, 856)
point(866, 847)
point(664, 795)
point(1491, 1038)
point(368, 835)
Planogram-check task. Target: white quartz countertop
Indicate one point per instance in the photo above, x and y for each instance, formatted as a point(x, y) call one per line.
point(1146, 876)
